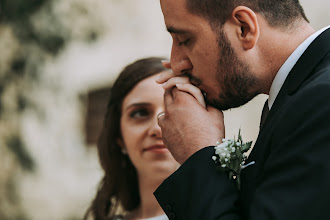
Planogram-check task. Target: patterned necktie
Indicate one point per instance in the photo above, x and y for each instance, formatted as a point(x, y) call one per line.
point(264, 114)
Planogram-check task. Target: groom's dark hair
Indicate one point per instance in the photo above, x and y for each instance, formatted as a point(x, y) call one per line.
point(278, 13)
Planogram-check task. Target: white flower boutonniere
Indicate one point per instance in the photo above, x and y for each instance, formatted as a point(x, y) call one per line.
point(231, 158)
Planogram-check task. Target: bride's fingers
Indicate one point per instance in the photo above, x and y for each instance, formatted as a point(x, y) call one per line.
point(164, 76)
point(194, 91)
point(166, 64)
point(176, 80)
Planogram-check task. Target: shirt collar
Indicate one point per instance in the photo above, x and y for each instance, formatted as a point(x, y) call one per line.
point(288, 65)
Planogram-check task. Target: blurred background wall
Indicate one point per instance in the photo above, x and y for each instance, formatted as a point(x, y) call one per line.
point(57, 60)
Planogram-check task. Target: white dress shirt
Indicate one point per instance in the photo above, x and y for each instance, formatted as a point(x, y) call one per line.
point(284, 71)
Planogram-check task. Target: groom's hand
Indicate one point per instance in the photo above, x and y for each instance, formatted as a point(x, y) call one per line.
point(187, 126)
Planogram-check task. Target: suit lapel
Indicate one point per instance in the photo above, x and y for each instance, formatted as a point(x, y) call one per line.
point(308, 61)
point(301, 71)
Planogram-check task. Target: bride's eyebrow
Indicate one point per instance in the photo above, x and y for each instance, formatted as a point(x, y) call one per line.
point(137, 104)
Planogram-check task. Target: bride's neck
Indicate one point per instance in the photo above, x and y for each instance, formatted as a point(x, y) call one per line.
point(149, 206)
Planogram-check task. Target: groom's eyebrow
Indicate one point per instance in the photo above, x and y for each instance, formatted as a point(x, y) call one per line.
point(173, 30)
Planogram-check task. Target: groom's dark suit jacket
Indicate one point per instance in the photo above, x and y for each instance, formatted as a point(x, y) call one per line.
point(291, 175)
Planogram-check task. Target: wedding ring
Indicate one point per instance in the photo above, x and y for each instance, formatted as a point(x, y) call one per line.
point(160, 115)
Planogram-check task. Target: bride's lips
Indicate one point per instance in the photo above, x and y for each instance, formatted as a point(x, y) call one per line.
point(156, 148)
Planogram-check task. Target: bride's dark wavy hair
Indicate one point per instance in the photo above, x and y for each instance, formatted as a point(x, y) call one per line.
point(118, 191)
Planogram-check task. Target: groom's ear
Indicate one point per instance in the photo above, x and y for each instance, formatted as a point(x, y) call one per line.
point(246, 26)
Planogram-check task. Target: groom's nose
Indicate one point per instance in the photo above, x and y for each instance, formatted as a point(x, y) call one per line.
point(180, 62)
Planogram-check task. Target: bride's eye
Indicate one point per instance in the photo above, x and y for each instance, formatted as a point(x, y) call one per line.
point(139, 113)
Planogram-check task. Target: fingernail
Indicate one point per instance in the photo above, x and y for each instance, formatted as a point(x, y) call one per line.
point(178, 85)
point(165, 61)
point(164, 84)
point(158, 77)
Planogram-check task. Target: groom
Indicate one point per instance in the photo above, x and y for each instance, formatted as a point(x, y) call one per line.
point(232, 51)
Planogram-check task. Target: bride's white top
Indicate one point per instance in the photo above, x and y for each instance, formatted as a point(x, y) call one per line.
point(161, 217)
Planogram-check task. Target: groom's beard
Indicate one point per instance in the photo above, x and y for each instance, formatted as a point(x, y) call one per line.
point(237, 82)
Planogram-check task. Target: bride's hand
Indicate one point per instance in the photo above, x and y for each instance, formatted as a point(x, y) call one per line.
point(187, 126)
point(192, 90)
point(169, 80)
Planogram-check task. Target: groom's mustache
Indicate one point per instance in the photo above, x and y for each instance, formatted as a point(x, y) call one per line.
point(193, 79)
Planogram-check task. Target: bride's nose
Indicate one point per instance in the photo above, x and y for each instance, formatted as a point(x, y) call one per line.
point(154, 129)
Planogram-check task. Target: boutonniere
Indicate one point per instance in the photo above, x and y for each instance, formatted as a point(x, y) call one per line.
point(231, 158)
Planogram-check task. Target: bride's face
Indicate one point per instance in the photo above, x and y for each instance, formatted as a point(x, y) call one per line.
point(141, 135)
